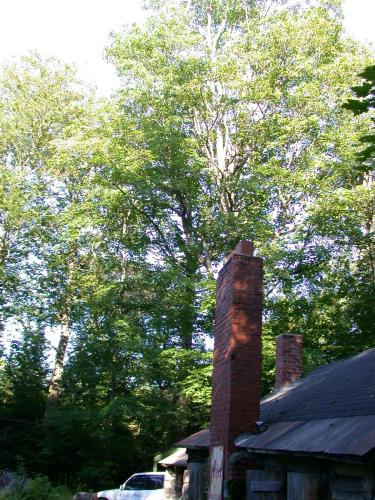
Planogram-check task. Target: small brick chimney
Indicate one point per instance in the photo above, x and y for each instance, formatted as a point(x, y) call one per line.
point(237, 357)
point(288, 359)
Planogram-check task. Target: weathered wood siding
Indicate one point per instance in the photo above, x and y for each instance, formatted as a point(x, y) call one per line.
point(263, 485)
point(197, 480)
point(307, 486)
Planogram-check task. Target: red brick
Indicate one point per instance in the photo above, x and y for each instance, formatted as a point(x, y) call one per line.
point(288, 359)
point(237, 353)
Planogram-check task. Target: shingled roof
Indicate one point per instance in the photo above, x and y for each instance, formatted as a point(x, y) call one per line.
point(345, 388)
point(330, 411)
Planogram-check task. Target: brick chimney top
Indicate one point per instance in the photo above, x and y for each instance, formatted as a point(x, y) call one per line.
point(243, 247)
point(288, 359)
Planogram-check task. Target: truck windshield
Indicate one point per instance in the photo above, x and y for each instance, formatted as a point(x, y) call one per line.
point(145, 482)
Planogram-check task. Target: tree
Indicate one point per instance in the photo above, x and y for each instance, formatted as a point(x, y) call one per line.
point(15, 238)
point(23, 380)
point(240, 133)
point(115, 217)
point(46, 121)
point(364, 103)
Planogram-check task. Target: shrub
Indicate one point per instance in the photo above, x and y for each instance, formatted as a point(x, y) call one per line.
point(37, 488)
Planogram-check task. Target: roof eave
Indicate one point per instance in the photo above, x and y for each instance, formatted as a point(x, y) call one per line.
point(307, 454)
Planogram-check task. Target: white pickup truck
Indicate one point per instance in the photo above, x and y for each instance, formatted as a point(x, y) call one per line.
point(141, 486)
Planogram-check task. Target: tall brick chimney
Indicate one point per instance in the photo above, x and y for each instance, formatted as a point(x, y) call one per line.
point(237, 359)
point(288, 359)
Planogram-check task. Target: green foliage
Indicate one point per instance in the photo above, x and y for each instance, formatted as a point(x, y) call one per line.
point(268, 362)
point(365, 103)
point(115, 217)
point(36, 488)
point(22, 395)
point(244, 104)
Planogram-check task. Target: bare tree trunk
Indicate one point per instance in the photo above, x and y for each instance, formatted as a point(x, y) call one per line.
point(58, 367)
point(65, 320)
point(369, 225)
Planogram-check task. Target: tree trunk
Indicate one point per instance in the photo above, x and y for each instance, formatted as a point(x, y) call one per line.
point(65, 320)
point(188, 315)
point(58, 367)
point(369, 225)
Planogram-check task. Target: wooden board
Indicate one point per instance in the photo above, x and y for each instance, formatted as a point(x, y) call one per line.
point(266, 486)
point(261, 485)
point(306, 486)
point(216, 473)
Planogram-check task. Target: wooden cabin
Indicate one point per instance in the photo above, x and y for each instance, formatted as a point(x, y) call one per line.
point(312, 438)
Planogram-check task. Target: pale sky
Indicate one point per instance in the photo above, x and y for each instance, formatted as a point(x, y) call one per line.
point(78, 30)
